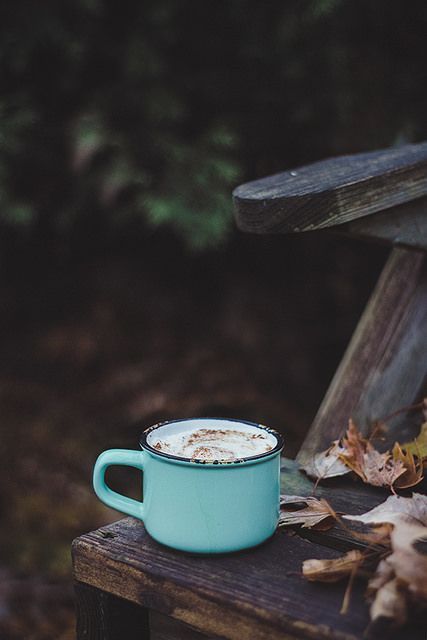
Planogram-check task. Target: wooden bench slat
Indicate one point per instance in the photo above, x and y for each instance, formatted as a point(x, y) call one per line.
point(333, 191)
point(255, 594)
point(405, 225)
point(385, 365)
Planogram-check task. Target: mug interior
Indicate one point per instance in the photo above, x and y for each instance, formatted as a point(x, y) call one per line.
point(170, 428)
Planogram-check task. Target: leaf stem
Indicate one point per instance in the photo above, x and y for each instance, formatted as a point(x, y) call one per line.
point(410, 407)
point(347, 594)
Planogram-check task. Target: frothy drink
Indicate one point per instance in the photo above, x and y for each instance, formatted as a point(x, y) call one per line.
point(207, 443)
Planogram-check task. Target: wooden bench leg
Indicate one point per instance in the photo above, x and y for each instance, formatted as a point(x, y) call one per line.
point(101, 616)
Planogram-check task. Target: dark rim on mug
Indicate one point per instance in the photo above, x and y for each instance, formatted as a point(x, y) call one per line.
point(145, 445)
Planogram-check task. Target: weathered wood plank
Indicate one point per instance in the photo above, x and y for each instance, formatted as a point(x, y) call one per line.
point(385, 365)
point(404, 226)
point(257, 594)
point(103, 616)
point(333, 191)
point(165, 628)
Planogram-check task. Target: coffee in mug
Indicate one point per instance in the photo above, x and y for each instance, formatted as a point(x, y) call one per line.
point(209, 444)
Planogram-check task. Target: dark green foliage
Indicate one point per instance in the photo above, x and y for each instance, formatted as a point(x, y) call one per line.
point(159, 108)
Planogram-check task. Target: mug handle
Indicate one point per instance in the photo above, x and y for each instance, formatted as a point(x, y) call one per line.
point(124, 457)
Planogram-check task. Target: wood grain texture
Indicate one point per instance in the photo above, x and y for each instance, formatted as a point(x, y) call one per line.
point(332, 192)
point(385, 365)
point(405, 225)
point(103, 616)
point(256, 595)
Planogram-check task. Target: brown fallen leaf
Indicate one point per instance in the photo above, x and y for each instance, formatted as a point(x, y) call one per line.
point(403, 574)
point(377, 538)
point(332, 570)
point(418, 446)
point(413, 467)
point(357, 453)
point(384, 573)
point(400, 580)
point(395, 470)
point(408, 564)
point(327, 464)
point(396, 509)
point(389, 608)
point(314, 513)
point(354, 444)
point(401, 468)
point(379, 469)
point(373, 467)
point(340, 457)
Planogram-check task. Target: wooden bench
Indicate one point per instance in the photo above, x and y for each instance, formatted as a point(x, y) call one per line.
point(128, 586)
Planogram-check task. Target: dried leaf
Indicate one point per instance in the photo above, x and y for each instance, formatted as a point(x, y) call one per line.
point(418, 446)
point(409, 566)
point(378, 431)
point(314, 513)
point(354, 447)
point(332, 570)
point(389, 607)
point(403, 574)
point(379, 469)
point(387, 469)
point(396, 509)
point(383, 574)
point(347, 595)
point(378, 537)
point(327, 464)
point(375, 468)
point(356, 453)
point(413, 468)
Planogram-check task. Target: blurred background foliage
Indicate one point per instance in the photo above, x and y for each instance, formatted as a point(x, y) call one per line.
point(153, 111)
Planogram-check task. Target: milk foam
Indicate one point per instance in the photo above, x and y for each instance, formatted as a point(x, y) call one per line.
point(217, 443)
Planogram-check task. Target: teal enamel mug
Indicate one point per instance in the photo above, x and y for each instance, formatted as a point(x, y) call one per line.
point(196, 505)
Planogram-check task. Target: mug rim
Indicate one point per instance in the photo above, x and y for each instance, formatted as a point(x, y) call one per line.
point(217, 463)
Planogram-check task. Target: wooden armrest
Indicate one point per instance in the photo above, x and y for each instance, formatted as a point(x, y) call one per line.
point(334, 191)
